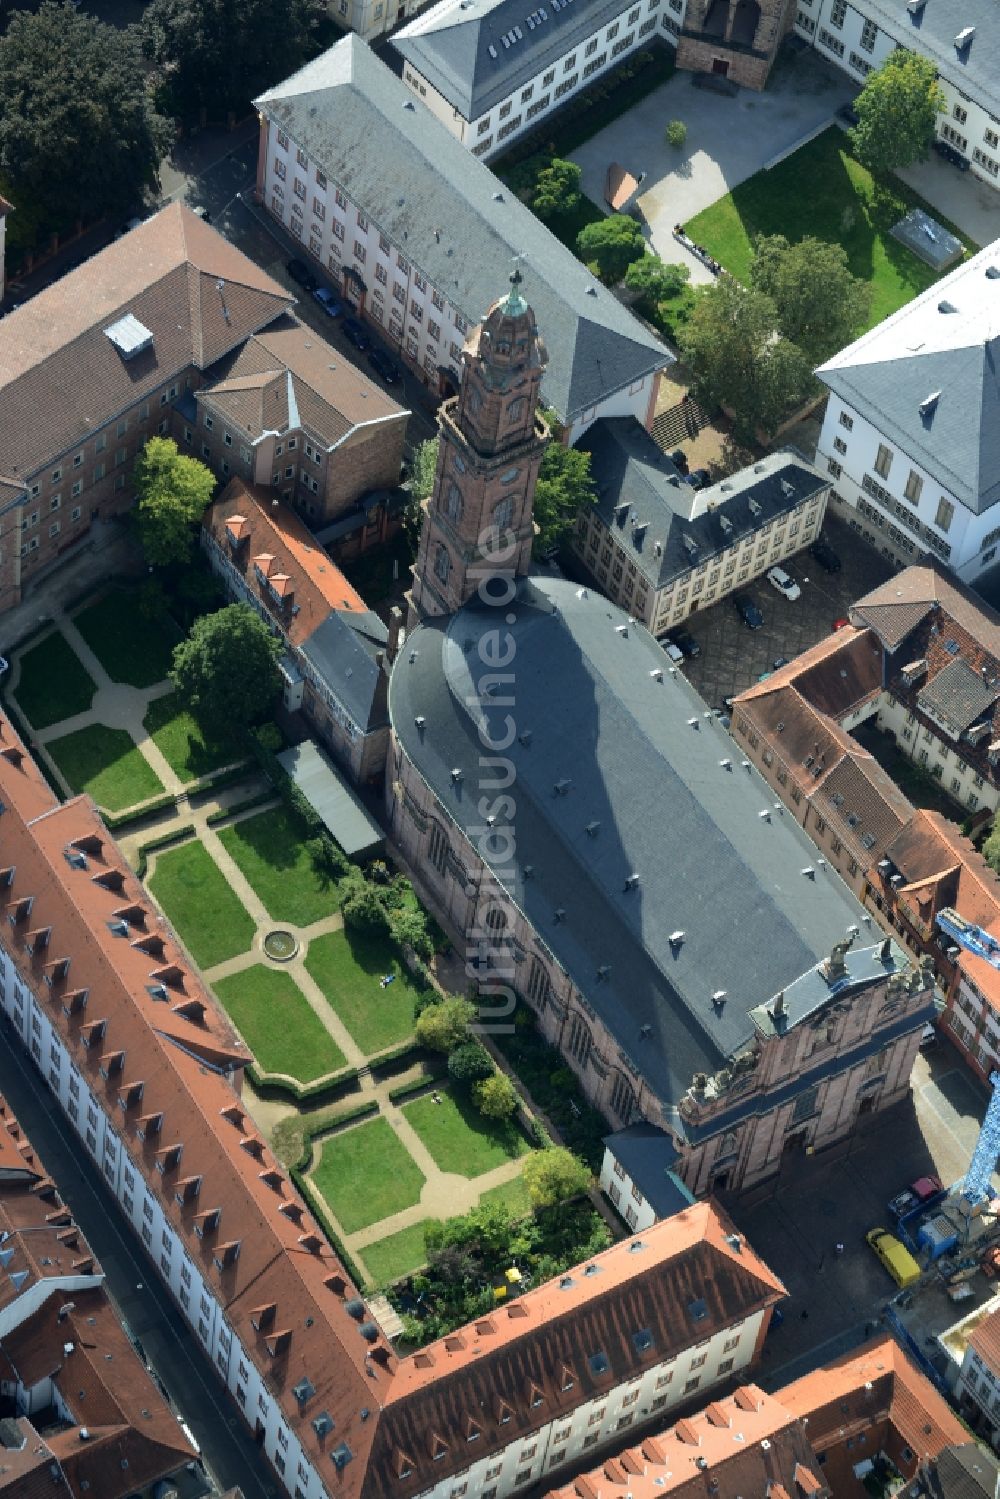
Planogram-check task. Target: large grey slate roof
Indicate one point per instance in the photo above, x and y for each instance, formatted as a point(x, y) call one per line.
point(343, 651)
point(450, 43)
point(630, 470)
point(458, 223)
point(647, 1153)
point(946, 342)
point(588, 700)
point(976, 69)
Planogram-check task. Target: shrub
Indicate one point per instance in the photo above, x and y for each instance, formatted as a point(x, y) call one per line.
point(470, 1063)
point(677, 133)
point(270, 737)
point(409, 928)
point(364, 909)
point(555, 1175)
point(445, 1025)
point(496, 1096)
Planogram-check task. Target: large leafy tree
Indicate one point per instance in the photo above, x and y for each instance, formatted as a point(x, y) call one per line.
point(737, 358)
point(554, 1175)
point(215, 56)
point(557, 190)
point(226, 670)
point(445, 1025)
point(820, 305)
point(897, 110)
point(613, 243)
point(655, 280)
point(79, 136)
point(564, 488)
point(172, 491)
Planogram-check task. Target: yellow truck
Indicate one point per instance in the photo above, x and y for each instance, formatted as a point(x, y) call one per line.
point(895, 1256)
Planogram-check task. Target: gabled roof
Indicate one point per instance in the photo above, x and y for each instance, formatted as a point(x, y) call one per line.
point(966, 1472)
point(898, 606)
point(647, 1154)
point(475, 52)
point(667, 526)
point(928, 377)
point(932, 30)
point(443, 208)
point(61, 376)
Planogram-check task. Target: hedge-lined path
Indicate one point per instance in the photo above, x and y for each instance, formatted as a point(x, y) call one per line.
point(185, 815)
point(115, 705)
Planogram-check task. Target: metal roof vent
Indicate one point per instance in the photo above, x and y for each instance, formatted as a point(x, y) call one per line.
point(592, 829)
point(604, 972)
point(456, 773)
point(129, 336)
point(993, 273)
point(675, 939)
point(591, 291)
point(915, 7)
point(928, 404)
point(420, 720)
point(560, 914)
point(945, 306)
point(964, 38)
point(657, 674)
point(409, 104)
point(632, 882)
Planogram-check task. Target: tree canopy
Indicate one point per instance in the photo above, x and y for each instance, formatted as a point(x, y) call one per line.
point(216, 58)
point(172, 491)
point(564, 488)
point(79, 136)
point(557, 189)
point(226, 670)
point(613, 242)
point(738, 360)
point(496, 1096)
point(554, 1175)
point(656, 280)
point(820, 305)
point(444, 1026)
point(897, 112)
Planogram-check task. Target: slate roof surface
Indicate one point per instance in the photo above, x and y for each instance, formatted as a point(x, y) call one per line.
point(974, 70)
point(965, 1472)
point(62, 379)
point(944, 344)
point(672, 803)
point(445, 210)
point(958, 695)
point(450, 43)
point(647, 1154)
point(630, 470)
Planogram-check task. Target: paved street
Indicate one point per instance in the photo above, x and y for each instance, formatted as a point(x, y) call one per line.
point(822, 1203)
point(732, 656)
point(229, 1452)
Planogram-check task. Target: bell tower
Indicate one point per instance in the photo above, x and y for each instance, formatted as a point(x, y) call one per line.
point(478, 518)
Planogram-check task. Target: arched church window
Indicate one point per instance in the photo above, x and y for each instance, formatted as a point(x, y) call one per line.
point(503, 513)
point(515, 410)
point(442, 564)
point(453, 503)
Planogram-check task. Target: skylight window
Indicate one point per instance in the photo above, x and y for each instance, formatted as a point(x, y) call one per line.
point(697, 1310)
point(598, 1362)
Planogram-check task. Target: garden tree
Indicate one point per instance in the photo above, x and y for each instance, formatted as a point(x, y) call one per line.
point(410, 929)
point(554, 1175)
point(655, 280)
point(445, 1025)
point(613, 242)
point(423, 467)
point(564, 488)
point(213, 59)
point(557, 189)
point(676, 133)
point(363, 907)
point(79, 136)
point(820, 305)
point(736, 359)
point(326, 856)
point(172, 492)
point(496, 1096)
point(897, 112)
point(226, 670)
point(991, 848)
point(470, 1063)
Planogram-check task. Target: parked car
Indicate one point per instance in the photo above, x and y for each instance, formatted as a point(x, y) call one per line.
point(383, 364)
point(825, 555)
point(679, 459)
point(848, 114)
point(674, 652)
point(300, 274)
point(779, 662)
point(748, 611)
point(202, 213)
point(356, 333)
point(330, 304)
point(685, 642)
point(840, 624)
point(700, 478)
point(920, 1191)
point(952, 154)
point(894, 1256)
point(784, 583)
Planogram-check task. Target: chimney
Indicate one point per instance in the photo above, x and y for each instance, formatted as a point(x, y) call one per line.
point(395, 632)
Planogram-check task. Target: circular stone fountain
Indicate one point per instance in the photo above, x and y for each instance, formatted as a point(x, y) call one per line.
point(280, 945)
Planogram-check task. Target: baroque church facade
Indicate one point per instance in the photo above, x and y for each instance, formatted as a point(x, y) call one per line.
point(576, 818)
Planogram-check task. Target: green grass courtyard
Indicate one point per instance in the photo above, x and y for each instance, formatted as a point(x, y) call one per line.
point(820, 190)
point(459, 1138)
point(270, 850)
point(106, 764)
point(182, 742)
point(367, 1174)
point(397, 1254)
point(347, 967)
point(198, 900)
point(54, 683)
point(131, 647)
point(275, 1020)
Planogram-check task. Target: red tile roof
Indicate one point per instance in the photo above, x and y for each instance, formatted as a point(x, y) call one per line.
point(898, 606)
point(985, 1336)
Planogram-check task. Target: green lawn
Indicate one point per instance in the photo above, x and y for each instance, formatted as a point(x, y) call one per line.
point(131, 648)
point(513, 1195)
point(367, 1174)
point(182, 743)
point(460, 1139)
point(821, 190)
point(193, 891)
point(397, 1255)
point(279, 1027)
point(105, 763)
point(54, 682)
point(347, 967)
point(270, 850)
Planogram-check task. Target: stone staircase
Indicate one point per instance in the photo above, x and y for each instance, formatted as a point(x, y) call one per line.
point(674, 427)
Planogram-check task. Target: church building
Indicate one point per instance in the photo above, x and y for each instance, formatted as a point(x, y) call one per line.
point(579, 817)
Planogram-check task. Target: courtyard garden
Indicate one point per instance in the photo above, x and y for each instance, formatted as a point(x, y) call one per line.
point(821, 190)
point(272, 850)
point(459, 1138)
point(348, 967)
point(106, 764)
point(132, 646)
point(273, 1016)
point(366, 1174)
point(54, 684)
point(197, 898)
point(181, 741)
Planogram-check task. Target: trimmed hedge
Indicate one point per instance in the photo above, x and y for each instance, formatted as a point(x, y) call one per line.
point(415, 1085)
point(115, 820)
point(176, 835)
point(301, 1092)
point(257, 800)
point(218, 779)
